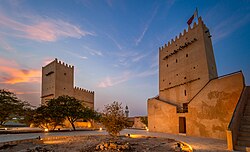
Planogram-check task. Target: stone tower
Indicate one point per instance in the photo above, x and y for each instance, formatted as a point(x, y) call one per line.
point(58, 80)
point(186, 64)
point(192, 99)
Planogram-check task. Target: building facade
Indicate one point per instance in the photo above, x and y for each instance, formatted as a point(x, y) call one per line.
point(186, 64)
point(58, 80)
point(192, 99)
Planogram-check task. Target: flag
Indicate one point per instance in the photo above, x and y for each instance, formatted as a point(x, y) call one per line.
point(192, 17)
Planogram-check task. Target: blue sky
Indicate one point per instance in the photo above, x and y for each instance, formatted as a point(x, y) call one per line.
point(113, 44)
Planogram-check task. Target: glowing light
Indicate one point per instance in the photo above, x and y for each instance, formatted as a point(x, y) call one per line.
point(147, 129)
point(100, 129)
point(89, 124)
point(135, 136)
point(5, 128)
point(46, 130)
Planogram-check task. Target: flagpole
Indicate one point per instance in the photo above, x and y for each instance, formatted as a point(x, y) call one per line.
point(197, 13)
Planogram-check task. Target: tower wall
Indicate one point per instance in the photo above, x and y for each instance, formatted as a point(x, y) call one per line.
point(48, 82)
point(64, 79)
point(186, 64)
point(58, 80)
point(84, 95)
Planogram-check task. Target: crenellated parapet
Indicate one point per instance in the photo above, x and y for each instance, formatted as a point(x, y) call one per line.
point(83, 90)
point(64, 64)
point(182, 35)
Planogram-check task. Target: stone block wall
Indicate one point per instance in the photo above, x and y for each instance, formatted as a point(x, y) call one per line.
point(209, 113)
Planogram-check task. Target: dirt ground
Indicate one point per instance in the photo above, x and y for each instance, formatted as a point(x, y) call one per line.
point(89, 143)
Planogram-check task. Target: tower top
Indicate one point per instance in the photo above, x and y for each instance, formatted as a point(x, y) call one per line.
point(177, 38)
point(61, 63)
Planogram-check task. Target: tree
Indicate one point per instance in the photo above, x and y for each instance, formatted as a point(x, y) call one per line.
point(41, 117)
point(28, 116)
point(71, 108)
point(144, 120)
point(113, 118)
point(90, 115)
point(64, 107)
point(48, 116)
point(56, 112)
point(10, 106)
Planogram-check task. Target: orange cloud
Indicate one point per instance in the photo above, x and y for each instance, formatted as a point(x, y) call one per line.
point(41, 29)
point(12, 74)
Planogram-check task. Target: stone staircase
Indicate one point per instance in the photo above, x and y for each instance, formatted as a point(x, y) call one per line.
point(243, 142)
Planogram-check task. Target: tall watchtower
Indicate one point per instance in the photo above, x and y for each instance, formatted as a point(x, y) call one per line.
point(186, 64)
point(57, 80)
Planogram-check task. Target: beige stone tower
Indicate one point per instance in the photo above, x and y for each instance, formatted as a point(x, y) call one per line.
point(58, 80)
point(186, 64)
point(192, 99)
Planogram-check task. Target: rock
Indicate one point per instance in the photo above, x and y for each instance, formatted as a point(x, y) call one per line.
point(97, 147)
point(106, 145)
point(112, 146)
point(126, 146)
point(123, 147)
point(101, 147)
point(119, 147)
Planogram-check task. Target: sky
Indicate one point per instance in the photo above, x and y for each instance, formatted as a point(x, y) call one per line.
point(113, 44)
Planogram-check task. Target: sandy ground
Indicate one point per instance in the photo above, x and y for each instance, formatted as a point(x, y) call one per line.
point(88, 144)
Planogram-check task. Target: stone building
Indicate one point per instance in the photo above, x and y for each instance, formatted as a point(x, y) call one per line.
point(192, 99)
point(58, 80)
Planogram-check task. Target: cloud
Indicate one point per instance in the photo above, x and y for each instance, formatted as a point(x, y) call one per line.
point(47, 60)
point(111, 81)
point(11, 73)
point(93, 51)
point(223, 29)
point(139, 57)
point(147, 73)
point(226, 23)
point(23, 92)
point(155, 61)
point(116, 43)
point(146, 26)
point(41, 29)
point(77, 55)
point(5, 45)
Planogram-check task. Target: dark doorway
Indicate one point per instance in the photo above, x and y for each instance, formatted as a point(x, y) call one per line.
point(182, 125)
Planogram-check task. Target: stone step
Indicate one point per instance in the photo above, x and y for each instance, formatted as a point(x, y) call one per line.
point(242, 129)
point(245, 122)
point(244, 134)
point(247, 110)
point(243, 143)
point(246, 114)
point(245, 118)
point(244, 138)
point(240, 148)
point(245, 126)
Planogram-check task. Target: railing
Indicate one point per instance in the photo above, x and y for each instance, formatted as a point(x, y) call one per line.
point(233, 127)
